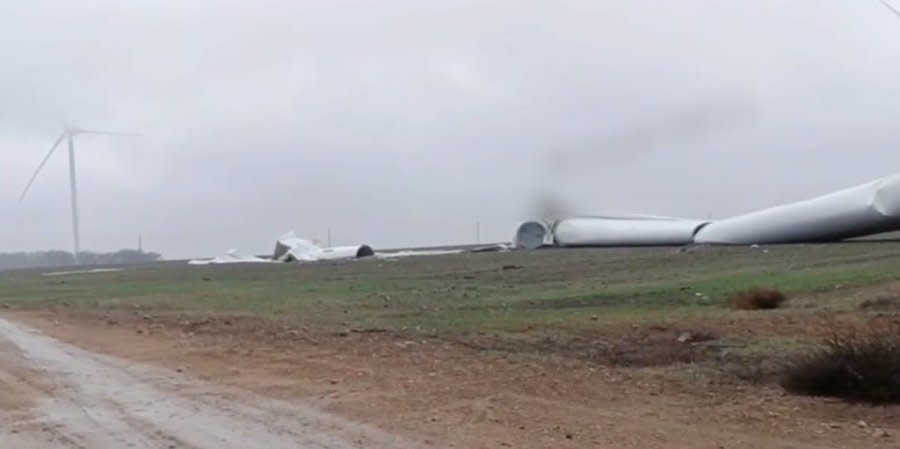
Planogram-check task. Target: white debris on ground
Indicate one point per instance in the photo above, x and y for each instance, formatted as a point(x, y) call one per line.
point(95, 270)
point(413, 253)
point(231, 256)
point(290, 248)
point(495, 248)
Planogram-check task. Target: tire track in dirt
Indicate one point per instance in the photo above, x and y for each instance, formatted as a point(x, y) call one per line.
point(99, 402)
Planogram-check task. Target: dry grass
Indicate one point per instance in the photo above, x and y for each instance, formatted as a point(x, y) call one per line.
point(758, 299)
point(881, 303)
point(852, 366)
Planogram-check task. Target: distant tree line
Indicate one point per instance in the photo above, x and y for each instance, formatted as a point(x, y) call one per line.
point(40, 259)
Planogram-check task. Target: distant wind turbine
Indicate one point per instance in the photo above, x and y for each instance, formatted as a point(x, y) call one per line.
point(69, 134)
point(888, 5)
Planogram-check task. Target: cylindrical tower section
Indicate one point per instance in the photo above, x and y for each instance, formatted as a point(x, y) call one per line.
point(532, 235)
point(625, 231)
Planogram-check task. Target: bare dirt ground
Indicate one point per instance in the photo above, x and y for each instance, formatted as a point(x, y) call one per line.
point(429, 392)
point(54, 395)
point(532, 350)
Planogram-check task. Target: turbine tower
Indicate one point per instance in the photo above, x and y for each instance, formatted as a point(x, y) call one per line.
point(69, 134)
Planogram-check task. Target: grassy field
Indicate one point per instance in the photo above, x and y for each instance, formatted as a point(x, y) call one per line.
point(560, 290)
point(582, 336)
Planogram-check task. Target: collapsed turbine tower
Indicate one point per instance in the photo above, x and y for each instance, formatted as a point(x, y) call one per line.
point(867, 209)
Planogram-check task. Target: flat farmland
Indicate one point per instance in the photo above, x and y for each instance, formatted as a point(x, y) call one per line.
point(626, 347)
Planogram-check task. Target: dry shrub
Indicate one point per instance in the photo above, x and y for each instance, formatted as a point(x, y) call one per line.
point(881, 303)
point(851, 366)
point(758, 299)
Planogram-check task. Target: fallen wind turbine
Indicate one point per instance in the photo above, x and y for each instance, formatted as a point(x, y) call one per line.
point(69, 134)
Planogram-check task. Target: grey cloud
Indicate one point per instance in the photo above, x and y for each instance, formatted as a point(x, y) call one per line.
point(402, 123)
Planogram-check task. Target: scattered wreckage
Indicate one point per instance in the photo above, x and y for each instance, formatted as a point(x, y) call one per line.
point(291, 248)
point(230, 256)
point(867, 209)
point(871, 208)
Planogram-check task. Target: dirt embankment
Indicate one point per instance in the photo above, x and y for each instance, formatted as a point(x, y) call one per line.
point(445, 394)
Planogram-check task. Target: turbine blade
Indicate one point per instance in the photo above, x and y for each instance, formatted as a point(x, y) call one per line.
point(43, 162)
point(104, 133)
point(891, 7)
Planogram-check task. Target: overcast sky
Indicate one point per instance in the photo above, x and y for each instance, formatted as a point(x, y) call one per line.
point(403, 122)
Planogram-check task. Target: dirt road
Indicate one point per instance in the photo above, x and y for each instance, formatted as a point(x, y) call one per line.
point(143, 392)
point(54, 395)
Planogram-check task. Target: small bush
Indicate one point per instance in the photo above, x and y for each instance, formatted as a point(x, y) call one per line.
point(851, 366)
point(758, 299)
